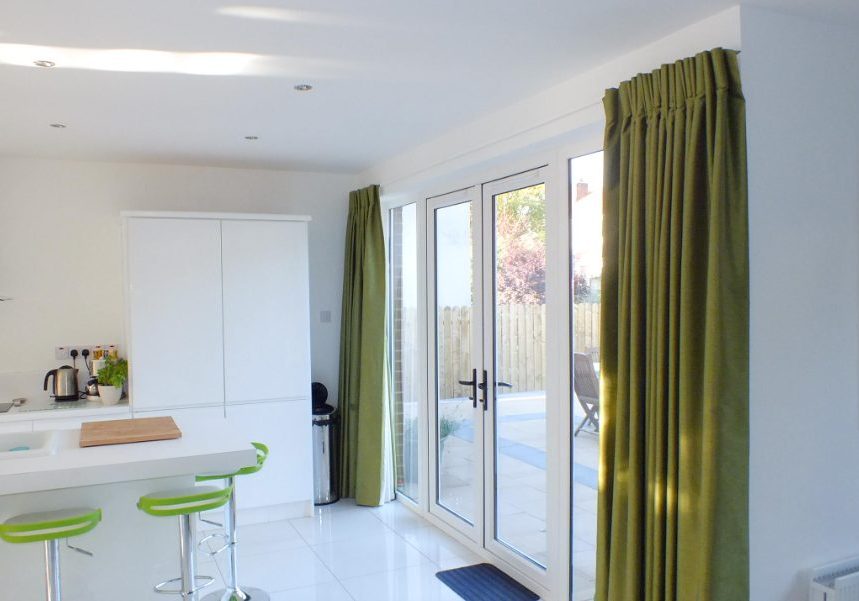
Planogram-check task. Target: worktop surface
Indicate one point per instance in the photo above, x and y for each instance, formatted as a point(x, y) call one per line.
point(201, 449)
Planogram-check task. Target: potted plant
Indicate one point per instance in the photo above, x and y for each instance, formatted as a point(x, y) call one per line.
point(111, 379)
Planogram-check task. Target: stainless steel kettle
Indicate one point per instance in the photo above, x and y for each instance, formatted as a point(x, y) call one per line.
point(65, 383)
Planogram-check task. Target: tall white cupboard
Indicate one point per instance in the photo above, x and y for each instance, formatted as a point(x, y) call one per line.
point(218, 328)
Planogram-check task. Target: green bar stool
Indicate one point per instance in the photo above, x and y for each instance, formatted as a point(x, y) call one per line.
point(183, 504)
point(49, 527)
point(234, 592)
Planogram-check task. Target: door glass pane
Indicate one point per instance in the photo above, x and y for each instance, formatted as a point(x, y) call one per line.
point(520, 368)
point(586, 174)
point(403, 331)
point(458, 468)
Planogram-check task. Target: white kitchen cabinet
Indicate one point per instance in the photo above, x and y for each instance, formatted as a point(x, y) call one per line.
point(196, 418)
point(284, 426)
point(174, 312)
point(266, 310)
point(219, 328)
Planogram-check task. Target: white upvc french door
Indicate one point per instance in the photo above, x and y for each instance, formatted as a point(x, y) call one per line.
point(492, 448)
point(455, 325)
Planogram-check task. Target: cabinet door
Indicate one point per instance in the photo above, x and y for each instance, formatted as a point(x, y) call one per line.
point(176, 336)
point(198, 419)
point(266, 310)
point(284, 427)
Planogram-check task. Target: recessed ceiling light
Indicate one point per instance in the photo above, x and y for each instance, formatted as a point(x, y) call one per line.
point(303, 87)
point(58, 125)
point(251, 137)
point(46, 64)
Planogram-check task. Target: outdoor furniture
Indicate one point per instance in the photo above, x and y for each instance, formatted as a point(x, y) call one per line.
point(587, 388)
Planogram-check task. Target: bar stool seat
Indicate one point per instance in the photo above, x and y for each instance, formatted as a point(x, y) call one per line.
point(183, 503)
point(234, 592)
point(49, 527)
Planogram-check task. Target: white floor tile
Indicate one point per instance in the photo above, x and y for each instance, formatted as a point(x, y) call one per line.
point(256, 539)
point(330, 591)
point(362, 556)
point(398, 517)
point(338, 525)
point(417, 583)
point(282, 570)
point(441, 549)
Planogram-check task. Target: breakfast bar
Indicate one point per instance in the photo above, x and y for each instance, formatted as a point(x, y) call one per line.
point(48, 470)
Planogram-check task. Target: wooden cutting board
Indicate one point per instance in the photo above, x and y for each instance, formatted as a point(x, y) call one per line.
point(122, 431)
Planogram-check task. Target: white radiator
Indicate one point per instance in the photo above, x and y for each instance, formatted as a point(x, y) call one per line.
point(836, 581)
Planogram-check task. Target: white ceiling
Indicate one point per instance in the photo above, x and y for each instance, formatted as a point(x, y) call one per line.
point(183, 81)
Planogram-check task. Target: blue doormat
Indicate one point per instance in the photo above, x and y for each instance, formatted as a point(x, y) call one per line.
point(485, 582)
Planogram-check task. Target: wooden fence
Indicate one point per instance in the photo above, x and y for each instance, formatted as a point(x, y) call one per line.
point(521, 346)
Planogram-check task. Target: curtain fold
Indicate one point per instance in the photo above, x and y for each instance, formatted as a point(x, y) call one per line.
point(674, 371)
point(363, 382)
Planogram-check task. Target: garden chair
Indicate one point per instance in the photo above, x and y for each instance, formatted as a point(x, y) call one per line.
point(587, 388)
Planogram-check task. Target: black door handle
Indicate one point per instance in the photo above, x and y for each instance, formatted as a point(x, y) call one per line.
point(473, 383)
point(504, 385)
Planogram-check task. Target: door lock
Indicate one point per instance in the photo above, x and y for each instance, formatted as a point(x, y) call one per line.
point(484, 387)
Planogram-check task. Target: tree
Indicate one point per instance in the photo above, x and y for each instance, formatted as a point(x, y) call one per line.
point(581, 288)
point(520, 223)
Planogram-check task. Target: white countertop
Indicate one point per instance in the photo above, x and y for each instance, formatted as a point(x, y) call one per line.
point(46, 408)
point(215, 448)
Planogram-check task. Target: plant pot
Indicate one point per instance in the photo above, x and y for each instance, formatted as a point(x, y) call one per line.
point(110, 395)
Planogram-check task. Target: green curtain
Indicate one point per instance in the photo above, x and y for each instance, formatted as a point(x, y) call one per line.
point(363, 396)
point(674, 363)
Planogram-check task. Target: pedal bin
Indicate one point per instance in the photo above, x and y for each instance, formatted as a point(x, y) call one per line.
point(326, 451)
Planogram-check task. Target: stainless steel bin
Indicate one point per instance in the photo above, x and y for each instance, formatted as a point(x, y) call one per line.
point(326, 450)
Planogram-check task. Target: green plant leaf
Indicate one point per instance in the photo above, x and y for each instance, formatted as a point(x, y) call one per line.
point(114, 373)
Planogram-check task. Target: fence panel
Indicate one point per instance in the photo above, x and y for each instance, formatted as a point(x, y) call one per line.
point(521, 331)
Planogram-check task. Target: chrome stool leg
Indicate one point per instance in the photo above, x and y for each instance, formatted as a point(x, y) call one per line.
point(52, 570)
point(187, 558)
point(234, 592)
point(189, 591)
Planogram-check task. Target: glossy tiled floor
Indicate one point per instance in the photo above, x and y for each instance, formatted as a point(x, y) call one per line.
point(350, 553)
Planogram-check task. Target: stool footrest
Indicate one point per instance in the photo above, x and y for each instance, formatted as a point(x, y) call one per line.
point(159, 588)
point(221, 535)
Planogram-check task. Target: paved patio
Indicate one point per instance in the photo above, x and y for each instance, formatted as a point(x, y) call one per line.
point(522, 481)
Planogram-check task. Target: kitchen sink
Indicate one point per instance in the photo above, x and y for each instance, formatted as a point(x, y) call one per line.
point(19, 445)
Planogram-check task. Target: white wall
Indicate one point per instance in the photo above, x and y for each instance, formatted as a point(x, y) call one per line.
point(60, 249)
point(801, 82)
point(549, 116)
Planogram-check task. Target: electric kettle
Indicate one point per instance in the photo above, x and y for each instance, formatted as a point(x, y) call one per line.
point(65, 383)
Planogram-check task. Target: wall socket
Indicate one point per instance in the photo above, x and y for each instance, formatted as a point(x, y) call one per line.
point(65, 352)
